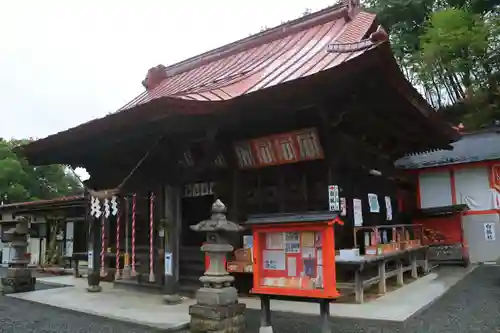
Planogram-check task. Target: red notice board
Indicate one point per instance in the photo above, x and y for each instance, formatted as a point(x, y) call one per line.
point(295, 259)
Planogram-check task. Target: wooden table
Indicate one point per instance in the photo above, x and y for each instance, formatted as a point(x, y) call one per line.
point(361, 281)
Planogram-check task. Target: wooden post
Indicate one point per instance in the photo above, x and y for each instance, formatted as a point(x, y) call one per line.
point(265, 315)
point(171, 232)
point(399, 276)
point(324, 312)
point(93, 276)
point(382, 287)
point(413, 262)
point(358, 286)
point(425, 262)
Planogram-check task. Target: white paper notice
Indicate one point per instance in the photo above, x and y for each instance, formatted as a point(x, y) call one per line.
point(168, 264)
point(292, 266)
point(358, 212)
point(90, 258)
point(275, 241)
point(274, 260)
point(388, 208)
point(373, 203)
point(489, 231)
point(343, 207)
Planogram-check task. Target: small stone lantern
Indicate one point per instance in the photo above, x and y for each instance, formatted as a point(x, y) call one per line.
point(217, 307)
point(19, 277)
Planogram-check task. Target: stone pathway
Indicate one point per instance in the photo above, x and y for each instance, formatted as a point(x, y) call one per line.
point(473, 305)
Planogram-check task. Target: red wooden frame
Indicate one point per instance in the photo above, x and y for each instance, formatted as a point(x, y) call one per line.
point(329, 290)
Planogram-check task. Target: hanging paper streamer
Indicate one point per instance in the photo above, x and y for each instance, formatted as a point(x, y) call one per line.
point(151, 238)
point(95, 207)
point(114, 211)
point(134, 207)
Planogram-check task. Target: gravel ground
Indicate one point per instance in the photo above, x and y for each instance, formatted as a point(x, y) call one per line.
point(471, 306)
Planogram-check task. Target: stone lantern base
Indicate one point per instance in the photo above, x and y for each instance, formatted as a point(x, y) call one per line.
point(217, 318)
point(18, 280)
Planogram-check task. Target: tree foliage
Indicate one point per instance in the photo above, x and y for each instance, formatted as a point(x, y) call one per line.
point(20, 181)
point(449, 49)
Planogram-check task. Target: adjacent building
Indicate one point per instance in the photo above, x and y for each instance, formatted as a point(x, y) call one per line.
point(469, 175)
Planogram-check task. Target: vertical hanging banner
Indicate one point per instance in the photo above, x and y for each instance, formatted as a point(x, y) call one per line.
point(333, 198)
point(388, 208)
point(358, 212)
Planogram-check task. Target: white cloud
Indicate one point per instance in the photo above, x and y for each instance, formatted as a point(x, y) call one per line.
point(66, 62)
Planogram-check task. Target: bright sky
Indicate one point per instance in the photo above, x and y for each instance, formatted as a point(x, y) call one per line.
point(64, 62)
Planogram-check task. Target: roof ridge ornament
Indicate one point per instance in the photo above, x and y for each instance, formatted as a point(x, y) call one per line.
point(155, 77)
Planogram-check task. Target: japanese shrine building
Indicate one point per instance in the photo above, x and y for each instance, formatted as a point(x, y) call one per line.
point(266, 124)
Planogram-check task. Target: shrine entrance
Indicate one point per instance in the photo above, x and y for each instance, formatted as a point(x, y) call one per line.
point(196, 203)
point(194, 210)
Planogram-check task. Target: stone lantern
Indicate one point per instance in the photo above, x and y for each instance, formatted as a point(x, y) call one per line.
point(19, 277)
point(217, 308)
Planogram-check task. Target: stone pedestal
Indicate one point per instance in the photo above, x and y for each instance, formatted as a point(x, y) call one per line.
point(93, 280)
point(18, 278)
point(217, 309)
point(217, 318)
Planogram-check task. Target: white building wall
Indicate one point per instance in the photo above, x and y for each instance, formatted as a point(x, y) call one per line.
point(472, 187)
point(435, 189)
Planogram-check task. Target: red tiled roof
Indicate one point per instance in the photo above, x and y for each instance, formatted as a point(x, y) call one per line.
point(288, 52)
point(201, 85)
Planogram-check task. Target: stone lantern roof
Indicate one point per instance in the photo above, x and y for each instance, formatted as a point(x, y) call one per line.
point(218, 221)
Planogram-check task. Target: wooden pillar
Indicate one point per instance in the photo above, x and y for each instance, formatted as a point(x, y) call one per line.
point(413, 262)
point(399, 276)
point(94, 250)
point(425, 262)
point(358, 286)
point(171, 238)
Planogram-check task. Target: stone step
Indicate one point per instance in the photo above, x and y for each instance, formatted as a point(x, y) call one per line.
point(133, 285)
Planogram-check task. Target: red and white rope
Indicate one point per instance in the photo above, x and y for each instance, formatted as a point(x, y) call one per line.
point(134, 204)
point(117, 273)
point(151, 237)
point(103, 245)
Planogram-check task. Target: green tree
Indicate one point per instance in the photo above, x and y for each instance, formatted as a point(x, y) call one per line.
point(449, 49)
point(20, 181)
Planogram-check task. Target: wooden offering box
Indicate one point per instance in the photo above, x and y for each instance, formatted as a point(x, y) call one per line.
point(294, 255)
